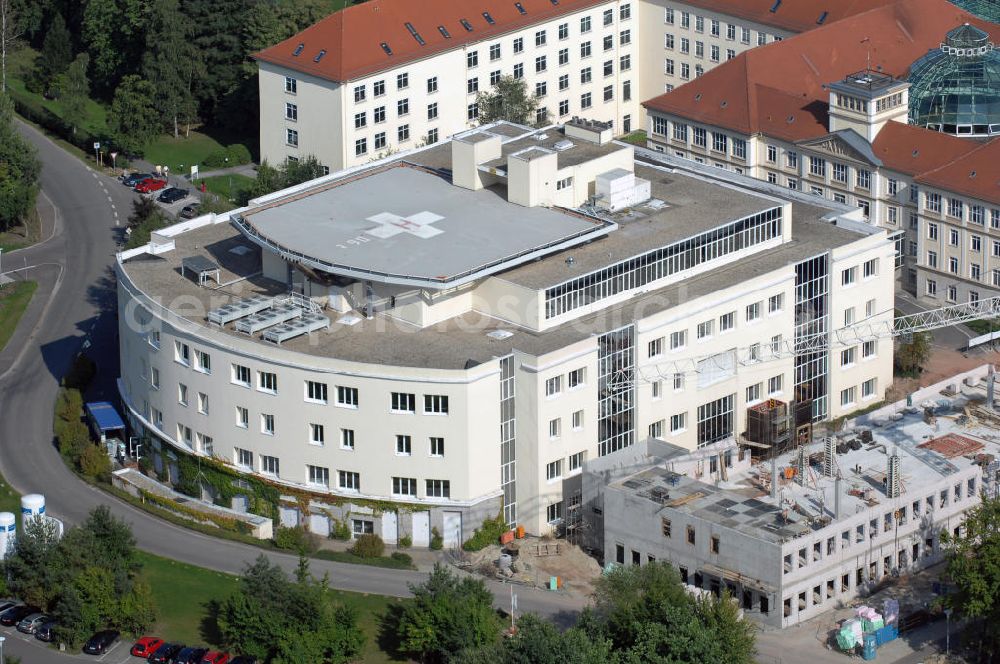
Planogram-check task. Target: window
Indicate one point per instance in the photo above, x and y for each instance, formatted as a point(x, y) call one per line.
point(437, 447)
point(360, 120)
point(378, 115)
point(472, 111)
point(553, 512)
point(518, 44)
point(576, 378)
point(269, 465)
point(347, 439)
point(555, 428)
point(953, 237)
point(267, 382)
point(317, 435)
point(553, 470)
point(242, 417)
point(678, 339)
point(553, 386)
point(775, 303)
point(678, 382)
point(240, 375)
point(690, 536)
point(378, 88)
point(727, 321)
point(472, 59)
point(347, 396)
point(349, 481)
point(402, 81)
point(404, 486)
point(203, 403)
point(625, 37)
point(291, 85)
point(848, 276)
point(577, 420)
point(715, 420)
point(863, 179)
point(291, 111)
point(182, 394)
point(932, 259)
point(402, 107)
point(243, 458)
point(609, 67)
point(541, 89)
point(870, 268)
point(868, 349)
point(753, 392)
point(745, 35)
point(540, 64)
point(848, 356)
point(292, 137)
point(360, 147)
point(403, 402)
point(678, 422)
point(775, 384)
point(403, 133)
point(753, 311)
point(404, 445)
point(932, 202)
point(438, 488)
point(817, 166)
point(847, 396)
point(267, 424)
point(953, 265)
point(656, 429)
point(609, 92)
point(586, 100)
point(318, 476)
point(182, 353)
point(705, 329)
point(576, 461)
point(700, 137)
point(316, 392)
point(685, 45)
point(868, 388)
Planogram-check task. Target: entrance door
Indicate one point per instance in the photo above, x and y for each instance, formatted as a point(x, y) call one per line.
point(390, 527)
point(452, 530)
point(421, 529)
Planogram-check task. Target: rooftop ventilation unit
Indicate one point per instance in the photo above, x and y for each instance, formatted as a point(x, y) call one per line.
point(562, 146)
point(498, 335)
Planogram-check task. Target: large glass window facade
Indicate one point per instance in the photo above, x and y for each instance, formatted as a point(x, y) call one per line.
point(715, 420)
point(812, 288)
point(508, 429)
point(670, 261)
point(616, 390)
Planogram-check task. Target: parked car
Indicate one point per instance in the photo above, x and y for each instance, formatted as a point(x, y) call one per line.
point(16, 614)
point(215, 657)
point(190, 655)
point(135, 179)
point(165, 653)
point(172, 195)
point(44, 631)
point(149, 185)
point(7, 604)
point(30, 623)
point(146, 646)
point(190, 211)
point(243, 659)
point(101, 642)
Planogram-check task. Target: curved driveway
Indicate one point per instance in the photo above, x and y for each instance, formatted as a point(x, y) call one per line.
point(75, 303)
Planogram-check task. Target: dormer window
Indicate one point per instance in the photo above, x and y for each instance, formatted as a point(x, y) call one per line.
point(489, 19)
point(298, 49)
point(414, 33)
point(444, 32)
point(385, 47)
point(466, 25)
point(319, 56)
point(520, 8)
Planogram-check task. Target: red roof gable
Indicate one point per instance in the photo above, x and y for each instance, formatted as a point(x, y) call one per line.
point(352, 38)
point(914, 150)
point(976, 173)
point(791, 15)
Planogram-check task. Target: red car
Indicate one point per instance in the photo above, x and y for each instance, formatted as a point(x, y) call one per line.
point(146, 646)
point(149, 185)
point(215, 657)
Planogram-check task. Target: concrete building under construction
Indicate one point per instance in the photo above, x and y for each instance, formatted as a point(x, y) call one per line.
point(842, 513)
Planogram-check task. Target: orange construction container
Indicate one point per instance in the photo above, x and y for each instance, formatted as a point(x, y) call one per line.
point(789, 473)
point(507, 537)
point(520, 532)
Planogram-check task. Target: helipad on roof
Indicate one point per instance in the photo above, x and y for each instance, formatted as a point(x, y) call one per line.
point(409, 225)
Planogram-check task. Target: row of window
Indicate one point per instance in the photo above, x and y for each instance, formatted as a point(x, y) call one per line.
point(670, 17)
point(574, 379)
point(951, 292)
point(554, 469)
point(849, 395)
point(715, 51)
point(555, 425)
point(699, 136)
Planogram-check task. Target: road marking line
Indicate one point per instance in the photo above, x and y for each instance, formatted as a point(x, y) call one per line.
point(109, 198)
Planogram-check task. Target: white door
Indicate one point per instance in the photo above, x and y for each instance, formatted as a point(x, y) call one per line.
point(452, 530)
point(319, 524)
point(421, 529)
point(288, 516)
point(390, 527)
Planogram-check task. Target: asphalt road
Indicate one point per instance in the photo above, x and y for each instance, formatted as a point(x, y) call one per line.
point(76, 289)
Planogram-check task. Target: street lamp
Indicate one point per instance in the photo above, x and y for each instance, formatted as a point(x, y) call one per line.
point(2, 639)
point(947, 632)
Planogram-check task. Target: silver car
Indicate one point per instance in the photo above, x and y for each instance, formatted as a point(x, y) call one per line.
point(31, 623)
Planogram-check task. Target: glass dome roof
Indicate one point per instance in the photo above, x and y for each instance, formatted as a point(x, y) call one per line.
point(955, 88)
point(984, 9)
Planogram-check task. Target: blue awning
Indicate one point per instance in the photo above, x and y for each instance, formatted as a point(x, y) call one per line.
point(104, 416)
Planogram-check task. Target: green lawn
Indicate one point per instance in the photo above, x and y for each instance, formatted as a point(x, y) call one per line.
point(637, 137)
point(220, 184)
point(983, 326)
point(14, 299)
point(10, 500)
point(182, 594)
point(179, 154)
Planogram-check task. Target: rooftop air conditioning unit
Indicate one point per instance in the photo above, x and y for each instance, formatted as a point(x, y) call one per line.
point(562, 146)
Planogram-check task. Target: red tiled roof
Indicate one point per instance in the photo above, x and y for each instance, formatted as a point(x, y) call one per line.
point(353, 37)
point(976, 173)
point(791, 15)
point(914, 150)
point(897, 34)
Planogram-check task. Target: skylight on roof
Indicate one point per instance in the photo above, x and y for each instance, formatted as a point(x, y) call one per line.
point(520, 8)
point(298, 49)
point(466, 24)
point(444, 32)
point(489, 19)
point(319, 56)
point(385, 47)
point(774, 7)
point(822, 18)
point(413, 31)
point(554, 2)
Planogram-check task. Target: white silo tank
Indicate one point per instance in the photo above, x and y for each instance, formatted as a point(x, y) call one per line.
point(8, 532)
point(32, 506)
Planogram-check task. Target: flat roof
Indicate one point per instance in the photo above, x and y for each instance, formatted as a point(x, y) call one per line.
point(543, 142)
point(408, 225)
point(929, 454)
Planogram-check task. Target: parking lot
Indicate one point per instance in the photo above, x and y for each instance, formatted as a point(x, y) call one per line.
point(33, 651)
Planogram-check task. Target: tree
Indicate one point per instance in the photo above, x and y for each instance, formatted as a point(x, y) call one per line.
point(973, 564)
point(509, 100)
point(113, 32)
point(56, 53)
point(540, 642)
point(277, 620)
point(74, 91)
point(133, 118)
point(910, 355)
point(19, 170)
point(446, 615)
point(171, 62)
point(9, 32)
point(32, 568)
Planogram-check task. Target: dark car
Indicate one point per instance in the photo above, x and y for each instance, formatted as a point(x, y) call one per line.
point(190, 656)
point(7, 604)
point(135, 179)
point(101, 642)
point(165, 653)
point(44, 632)
point(172, 195)
point(16, 614)
point(190, 211)
point(243, 659)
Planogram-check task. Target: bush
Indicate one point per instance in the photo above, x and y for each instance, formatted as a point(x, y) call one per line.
point(239, 154)
point(437, 542)
point(489, 533)
point(368, 545)
point(405, 542)
point(95, 463)
point(401, 557)
point(296, 539)
point(340, 531)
